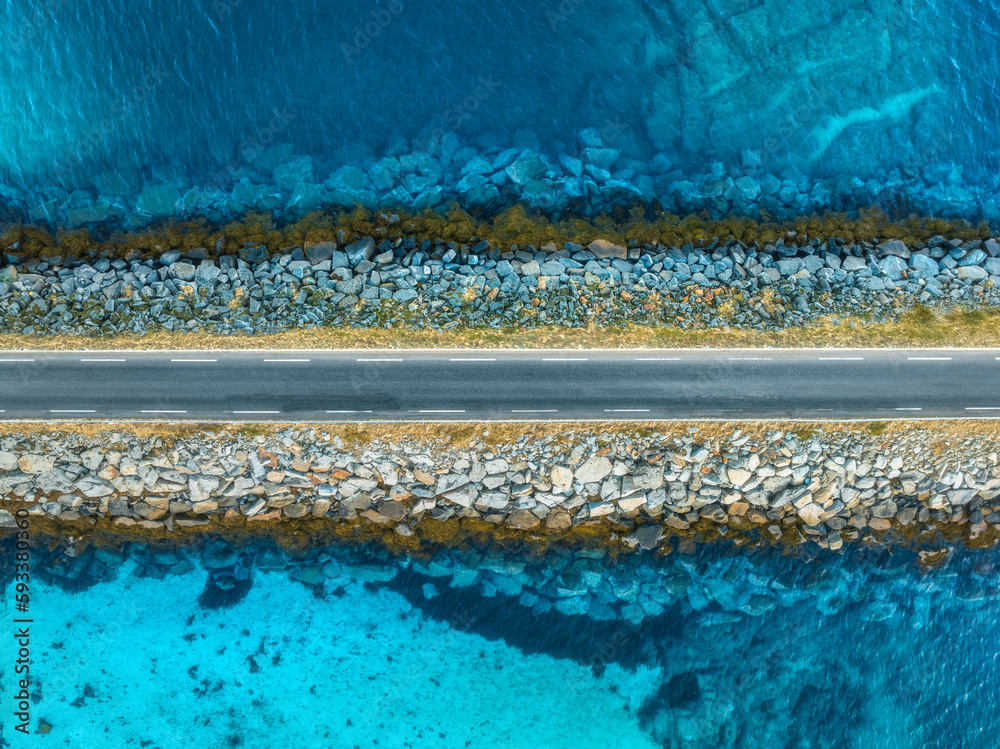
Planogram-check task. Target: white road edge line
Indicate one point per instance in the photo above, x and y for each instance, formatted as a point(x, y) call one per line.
point(929, 358)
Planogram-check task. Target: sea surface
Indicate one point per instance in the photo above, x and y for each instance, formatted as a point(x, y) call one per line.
point(107, 97)
point(216, 645)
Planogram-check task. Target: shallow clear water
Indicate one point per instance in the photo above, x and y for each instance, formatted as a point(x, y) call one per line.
point(339, 647)
point(108, 96)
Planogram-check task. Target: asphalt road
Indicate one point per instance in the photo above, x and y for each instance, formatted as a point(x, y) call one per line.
point(495, 385)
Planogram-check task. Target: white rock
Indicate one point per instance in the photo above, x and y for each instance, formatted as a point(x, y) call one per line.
point(593, 470)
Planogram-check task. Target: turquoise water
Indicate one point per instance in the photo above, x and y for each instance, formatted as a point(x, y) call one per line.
point(893, 101)
point(337, 647)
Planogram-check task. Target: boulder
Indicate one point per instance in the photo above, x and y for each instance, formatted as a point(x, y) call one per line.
point(182, 271)
point(604, 248)
point(647, 536)
point(738, 477)
point(35, 464)
point(973, 273)
point(317, 253)
point(894, 247)
point(561, 477)
point(159, 200)
point(893, 266)
point(925, 264)
point(523, 519)
point(811, 513)
point(524, 170)
point(363, 249)
point(593, 470)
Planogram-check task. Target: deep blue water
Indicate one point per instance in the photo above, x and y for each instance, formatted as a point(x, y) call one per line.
point(108, 97)
point(216, 646)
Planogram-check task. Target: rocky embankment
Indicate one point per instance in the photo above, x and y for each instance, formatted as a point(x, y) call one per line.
point(590, 176)
point(444, 285)
point(768, 486)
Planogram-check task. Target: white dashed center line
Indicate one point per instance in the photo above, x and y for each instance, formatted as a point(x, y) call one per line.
point(286, 361)
point(626, 410)
point(194, 360)
point(535, 411)
point(750, 358)
point(984, 408)
point(14, 361)
point(348, 412)
point(841, 358)
point(441, 411)
point(103, 360)
point(929, 358)
point(163, 412)
point(71, 411)
point(472, 360)
point(378, 360)
point(656, 358)
point(906, 409)
point(256, 412)
point(564, 359)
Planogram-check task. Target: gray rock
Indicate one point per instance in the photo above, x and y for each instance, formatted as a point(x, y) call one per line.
point(925, 264)
point(972, 273)
point(894, 247)
point(321, 251)
point(159, 200)
point(593, 470)
point(182, 271)
point(526, 169)
point(790, 266)
point(363, 249)
point(893, 266)
point(605, 249)
point(647, 536)
point(207, 271)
